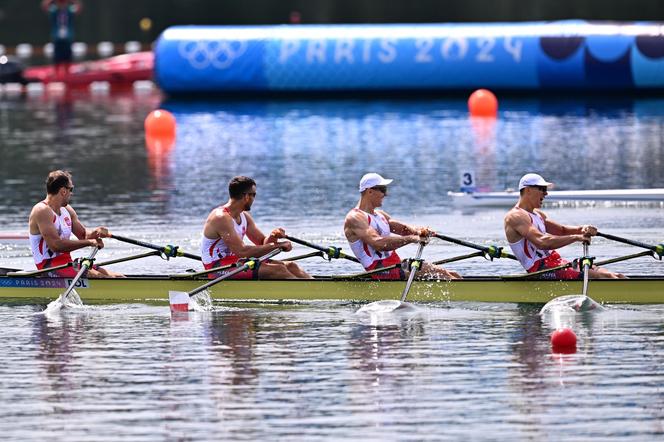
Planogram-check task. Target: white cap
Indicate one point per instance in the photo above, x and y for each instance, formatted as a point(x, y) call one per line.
point(370, 180)
point(533, 179)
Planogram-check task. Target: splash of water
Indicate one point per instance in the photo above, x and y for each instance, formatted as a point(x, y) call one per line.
point(72, 301)
point(201, 302)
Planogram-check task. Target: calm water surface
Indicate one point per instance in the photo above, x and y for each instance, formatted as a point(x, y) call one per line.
point(319, 371)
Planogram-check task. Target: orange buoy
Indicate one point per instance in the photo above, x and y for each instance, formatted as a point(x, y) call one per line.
point(483, 103)
point(159, 124)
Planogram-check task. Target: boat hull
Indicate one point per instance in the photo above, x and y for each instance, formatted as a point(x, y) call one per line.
point(637, 290)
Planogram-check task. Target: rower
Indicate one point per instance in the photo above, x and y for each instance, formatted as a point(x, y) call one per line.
point(223, 238)
point(534, 237)
point(51, 223)
point(374, 236)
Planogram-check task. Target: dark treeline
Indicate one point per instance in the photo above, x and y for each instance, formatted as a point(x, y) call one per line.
point(22, 21)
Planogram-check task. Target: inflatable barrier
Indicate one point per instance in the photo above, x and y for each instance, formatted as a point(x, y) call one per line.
point(572, 55)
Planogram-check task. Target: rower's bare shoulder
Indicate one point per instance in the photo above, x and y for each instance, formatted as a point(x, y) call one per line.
point(540, 213)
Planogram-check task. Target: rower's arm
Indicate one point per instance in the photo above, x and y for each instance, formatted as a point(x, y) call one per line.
point(223, 226)
point(357, 227)
point(561, 229)
point(520, 223)
point(53, 240)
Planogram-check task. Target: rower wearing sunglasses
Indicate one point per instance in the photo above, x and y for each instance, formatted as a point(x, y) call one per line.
point(534, 237)
point(374, 236)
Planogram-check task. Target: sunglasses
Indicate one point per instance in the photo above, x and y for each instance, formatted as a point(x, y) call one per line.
point(70, 188)
point(381, 189)
point(542, 189)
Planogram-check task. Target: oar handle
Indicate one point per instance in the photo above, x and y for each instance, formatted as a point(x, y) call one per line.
point(659, 248)
point(167, 250)
point(332, 252)
point(493, 251)
point(248, 265)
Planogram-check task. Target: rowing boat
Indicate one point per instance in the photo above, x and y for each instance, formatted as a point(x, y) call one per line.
point(154, 289)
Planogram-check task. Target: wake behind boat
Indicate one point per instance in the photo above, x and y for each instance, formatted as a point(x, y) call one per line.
point(510, 197)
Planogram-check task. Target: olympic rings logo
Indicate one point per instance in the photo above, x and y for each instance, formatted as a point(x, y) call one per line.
point(219, 54)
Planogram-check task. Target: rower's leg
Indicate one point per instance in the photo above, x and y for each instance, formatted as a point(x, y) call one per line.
point(101, 272)
point(437, 272)
point(274, 270)
point(602, 273)
point(297, 271)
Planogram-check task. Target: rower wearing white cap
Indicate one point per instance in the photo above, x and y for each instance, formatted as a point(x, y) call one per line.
point(374, 236)
point(534, 237)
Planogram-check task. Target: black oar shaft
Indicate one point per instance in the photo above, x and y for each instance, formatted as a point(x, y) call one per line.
point(628, 241)
point(458, 258)
point(147, 245)
point(329, 250)
point(461, 242)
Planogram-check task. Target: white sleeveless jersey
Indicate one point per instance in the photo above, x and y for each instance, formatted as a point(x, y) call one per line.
point(363, 251)
point(40, 250)
point(215, 249)
point(524, 250)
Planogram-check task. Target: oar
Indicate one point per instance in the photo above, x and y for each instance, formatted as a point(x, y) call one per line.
point(331, 252)
point(491, 251)
point(169, 251)
point(85, 265)
point(390, 305)
point(180, 300)
point(69, 264)
point(414, 267)
point(659, 248)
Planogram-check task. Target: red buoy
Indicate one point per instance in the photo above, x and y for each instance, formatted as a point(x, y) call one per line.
point(563, 339)
point(483, 103)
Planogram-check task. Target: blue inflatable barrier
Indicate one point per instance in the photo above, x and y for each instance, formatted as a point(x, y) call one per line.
point(574, 55)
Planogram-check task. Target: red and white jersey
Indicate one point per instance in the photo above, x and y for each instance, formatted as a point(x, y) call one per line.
point(524, 250)
point(363, 251)
point(62, 223)
point(214, 250)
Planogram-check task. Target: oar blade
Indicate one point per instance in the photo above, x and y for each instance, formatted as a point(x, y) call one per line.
point(179, 301)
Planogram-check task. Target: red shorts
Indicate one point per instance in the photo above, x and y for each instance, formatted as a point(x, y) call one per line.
point(396, 273)
point(246, 274)
point(67, 272)
point(555, 260)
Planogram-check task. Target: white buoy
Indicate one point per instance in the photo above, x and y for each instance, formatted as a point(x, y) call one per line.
point(34, 89)
point(143, 86)
point(13, 89)
point(105, 49)
point(56, 88)
point(24, 50)
point(132, 46)
point(100, 87)
point(48, 50)
point(79, 49)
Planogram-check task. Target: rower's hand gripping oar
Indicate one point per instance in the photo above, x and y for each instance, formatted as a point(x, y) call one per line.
point(85, 265)
point(331, 252)
point(415, 265)
point(168, 251)
point(491, 251)
point(179, 301)
point(658, 249)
